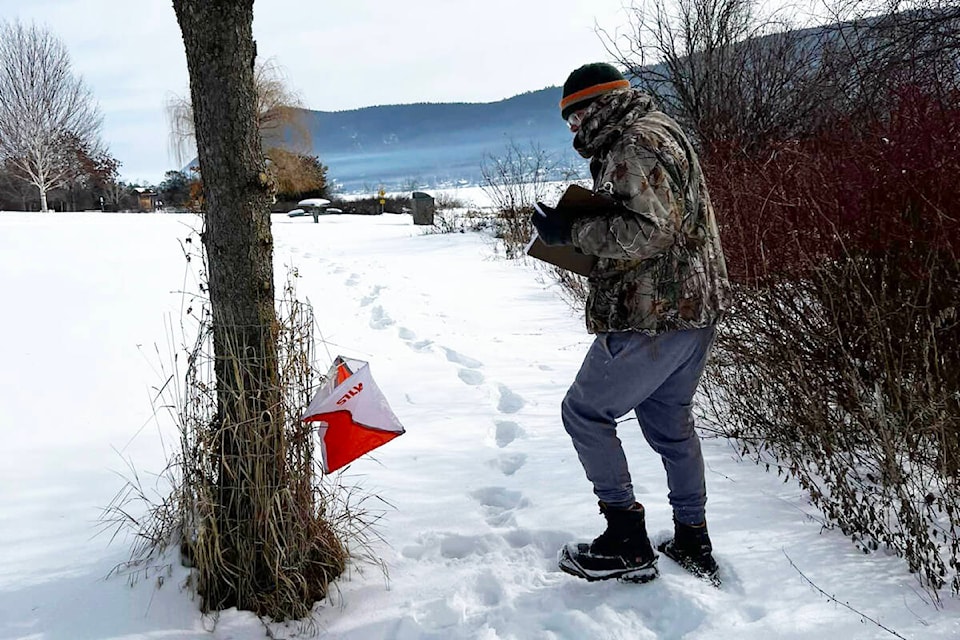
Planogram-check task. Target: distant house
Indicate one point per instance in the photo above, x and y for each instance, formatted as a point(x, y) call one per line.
point(146, 199)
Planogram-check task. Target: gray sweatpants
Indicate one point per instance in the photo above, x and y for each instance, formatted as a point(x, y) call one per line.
point(656, 377)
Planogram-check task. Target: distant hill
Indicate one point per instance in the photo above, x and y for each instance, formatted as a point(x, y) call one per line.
point(432, 144)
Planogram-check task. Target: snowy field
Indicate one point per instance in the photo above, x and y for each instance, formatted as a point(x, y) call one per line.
point(474, 354)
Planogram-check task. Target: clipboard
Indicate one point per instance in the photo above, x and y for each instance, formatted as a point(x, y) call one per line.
point(564, 256)
point(576, 202)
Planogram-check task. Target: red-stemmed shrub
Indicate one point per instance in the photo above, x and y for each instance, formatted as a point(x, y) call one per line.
point(840, 362)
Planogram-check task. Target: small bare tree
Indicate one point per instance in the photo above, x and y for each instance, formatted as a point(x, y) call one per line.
point(43, 104)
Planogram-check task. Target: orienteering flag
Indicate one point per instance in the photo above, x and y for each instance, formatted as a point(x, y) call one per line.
point(353, 416)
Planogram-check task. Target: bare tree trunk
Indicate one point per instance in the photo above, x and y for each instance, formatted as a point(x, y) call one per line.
point(221, 52)
point(43, 200)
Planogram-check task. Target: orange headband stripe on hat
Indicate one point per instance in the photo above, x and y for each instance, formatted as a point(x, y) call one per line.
point(595, 90)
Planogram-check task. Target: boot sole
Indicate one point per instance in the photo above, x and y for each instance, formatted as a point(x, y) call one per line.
point(711, 577)
point(638, 575)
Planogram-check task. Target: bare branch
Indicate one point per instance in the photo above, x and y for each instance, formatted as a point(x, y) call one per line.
point(842, 604)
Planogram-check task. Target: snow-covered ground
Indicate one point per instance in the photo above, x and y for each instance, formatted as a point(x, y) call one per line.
point(474, 354)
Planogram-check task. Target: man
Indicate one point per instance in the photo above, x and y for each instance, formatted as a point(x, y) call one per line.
point(655, 295)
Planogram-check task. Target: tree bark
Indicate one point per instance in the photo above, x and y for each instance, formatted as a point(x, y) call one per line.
point(220, 51)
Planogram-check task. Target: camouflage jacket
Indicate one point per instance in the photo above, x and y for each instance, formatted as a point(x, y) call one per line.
point(660, 266)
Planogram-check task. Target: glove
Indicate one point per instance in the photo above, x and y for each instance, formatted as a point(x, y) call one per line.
point(553, 229)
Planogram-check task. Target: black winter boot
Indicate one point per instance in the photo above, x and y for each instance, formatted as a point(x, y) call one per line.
point(690, 547)
point(622, 551)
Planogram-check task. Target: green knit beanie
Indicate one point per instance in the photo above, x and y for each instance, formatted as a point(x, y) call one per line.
point(584, 84)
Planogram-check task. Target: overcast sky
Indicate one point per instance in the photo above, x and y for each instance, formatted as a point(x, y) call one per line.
point(337, 54)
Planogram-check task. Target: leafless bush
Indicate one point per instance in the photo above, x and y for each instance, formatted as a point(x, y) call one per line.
point(460, 221)
point(573, 287)
point(514, 181)
point(840, 362)
point(813, 377)
point(445, 200)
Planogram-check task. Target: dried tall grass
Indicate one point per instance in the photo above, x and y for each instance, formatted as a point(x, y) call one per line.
point(249, 508)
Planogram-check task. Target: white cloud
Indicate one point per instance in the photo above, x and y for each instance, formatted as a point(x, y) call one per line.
point(337, 55)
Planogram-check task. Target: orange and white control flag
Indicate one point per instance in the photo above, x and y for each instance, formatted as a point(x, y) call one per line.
point(354, 418)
